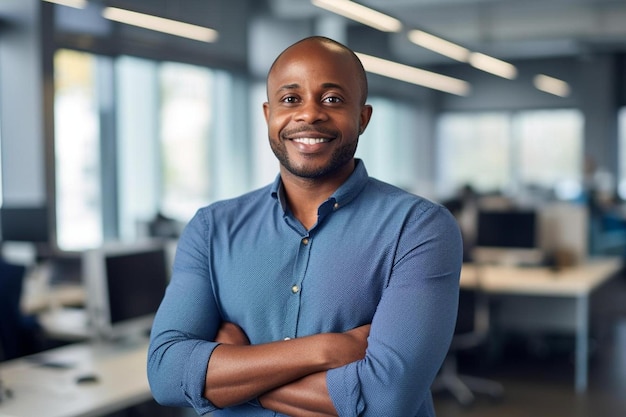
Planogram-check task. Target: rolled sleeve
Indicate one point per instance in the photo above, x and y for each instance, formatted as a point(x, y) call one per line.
point(195, 377)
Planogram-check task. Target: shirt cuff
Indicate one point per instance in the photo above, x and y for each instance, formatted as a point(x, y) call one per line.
point(195, 377)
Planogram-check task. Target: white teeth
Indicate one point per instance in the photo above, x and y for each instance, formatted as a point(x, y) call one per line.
point(310, 141)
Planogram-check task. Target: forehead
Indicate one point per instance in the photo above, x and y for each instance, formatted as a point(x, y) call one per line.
point(316, 63)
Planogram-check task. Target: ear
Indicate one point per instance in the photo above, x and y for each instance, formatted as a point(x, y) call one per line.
point(266, 111)
point(364, 117)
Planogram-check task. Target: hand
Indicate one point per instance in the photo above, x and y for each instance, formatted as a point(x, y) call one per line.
point(231, 334)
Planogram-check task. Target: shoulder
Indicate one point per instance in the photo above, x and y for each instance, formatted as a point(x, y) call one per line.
point(397, 198)
point(407, 213)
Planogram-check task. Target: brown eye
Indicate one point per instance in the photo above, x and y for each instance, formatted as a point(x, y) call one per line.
point(289, 99)
point(332, 100)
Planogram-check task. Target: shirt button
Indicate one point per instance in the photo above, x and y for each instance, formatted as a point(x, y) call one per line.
point(305, 241)
point(335, 206)
point(287, 338)
point(295, 289)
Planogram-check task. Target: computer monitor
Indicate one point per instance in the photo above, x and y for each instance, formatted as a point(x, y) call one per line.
point(24, 224)
point(125, 284)
point(508, 236)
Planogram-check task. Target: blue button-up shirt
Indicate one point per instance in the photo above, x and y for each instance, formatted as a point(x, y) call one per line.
point(377, 254)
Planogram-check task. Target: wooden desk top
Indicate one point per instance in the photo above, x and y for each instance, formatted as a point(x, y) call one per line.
point(579, 280)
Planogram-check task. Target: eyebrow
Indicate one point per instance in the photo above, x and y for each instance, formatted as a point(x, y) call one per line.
point(324, 85)
point(289, 87)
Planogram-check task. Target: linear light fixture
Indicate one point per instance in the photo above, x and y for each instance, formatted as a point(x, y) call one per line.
point(451, 50)
point(360, 13)
point(386, 23)
point(439, 45)
point(414, 75)
point(492, 65)
point(551, 85)
point(77, 4)
point(172, 27)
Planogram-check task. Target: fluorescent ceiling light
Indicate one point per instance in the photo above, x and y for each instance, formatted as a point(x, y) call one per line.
point(492, 65)
point(77, 4)
point(362, 14)
point(414, 75)
point(441, 46)
point(173, 27)
point(451, 50)
point(551, 85)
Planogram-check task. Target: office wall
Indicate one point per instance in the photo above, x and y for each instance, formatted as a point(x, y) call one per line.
point(21, 104)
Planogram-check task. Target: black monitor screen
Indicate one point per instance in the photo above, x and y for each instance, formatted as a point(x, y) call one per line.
point(136, 283)
point(507, 229)
point(24, 224)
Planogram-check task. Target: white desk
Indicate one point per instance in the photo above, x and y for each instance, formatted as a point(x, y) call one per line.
point(59, 307)
point(38, 295)
point(69, 324)
point(39, 390)
point(541, 298)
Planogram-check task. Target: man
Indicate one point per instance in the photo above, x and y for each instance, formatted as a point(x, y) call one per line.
point(325, 293)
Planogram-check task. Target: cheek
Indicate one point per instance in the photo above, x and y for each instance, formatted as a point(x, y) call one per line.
point(276, 123)
point(273, 128)
point(351, 127)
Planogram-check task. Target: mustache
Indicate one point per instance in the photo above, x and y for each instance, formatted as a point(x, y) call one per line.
point(310, 129)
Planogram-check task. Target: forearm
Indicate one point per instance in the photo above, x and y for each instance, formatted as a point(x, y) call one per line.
point(305, 397)
point(237, 374)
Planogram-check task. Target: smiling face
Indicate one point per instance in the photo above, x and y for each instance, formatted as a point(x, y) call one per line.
point(315, 110)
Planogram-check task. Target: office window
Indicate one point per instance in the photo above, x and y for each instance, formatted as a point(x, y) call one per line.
point(388, 146)
point(137, 136)
point(473, 149)
point(185, 133)
point(511, 152)
point(550, 147)
point(138, 164)
point(163, 118)
point(77, 151)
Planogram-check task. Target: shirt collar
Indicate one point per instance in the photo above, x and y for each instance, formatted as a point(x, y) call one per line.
point(342, 196)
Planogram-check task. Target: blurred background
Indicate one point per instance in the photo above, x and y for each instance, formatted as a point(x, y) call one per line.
point(115, 127)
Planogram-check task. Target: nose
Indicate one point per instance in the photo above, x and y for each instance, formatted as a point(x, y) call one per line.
point(311, 111)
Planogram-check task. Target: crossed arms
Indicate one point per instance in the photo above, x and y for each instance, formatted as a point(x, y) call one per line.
point(287, 376)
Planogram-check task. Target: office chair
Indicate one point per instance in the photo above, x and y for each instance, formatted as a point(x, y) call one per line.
point(472, 330)
point(20, 334)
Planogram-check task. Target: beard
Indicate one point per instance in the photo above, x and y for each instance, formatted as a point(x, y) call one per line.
point(340, 156)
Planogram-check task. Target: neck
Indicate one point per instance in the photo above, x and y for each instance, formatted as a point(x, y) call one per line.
point(305, 195)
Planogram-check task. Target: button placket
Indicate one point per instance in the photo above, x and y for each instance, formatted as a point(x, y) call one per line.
point(295, 289)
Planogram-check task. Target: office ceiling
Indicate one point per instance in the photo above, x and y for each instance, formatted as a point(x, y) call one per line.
point(506, 29)
point(511, 30)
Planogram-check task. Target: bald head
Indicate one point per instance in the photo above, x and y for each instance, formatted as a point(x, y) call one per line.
point(306, 45)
